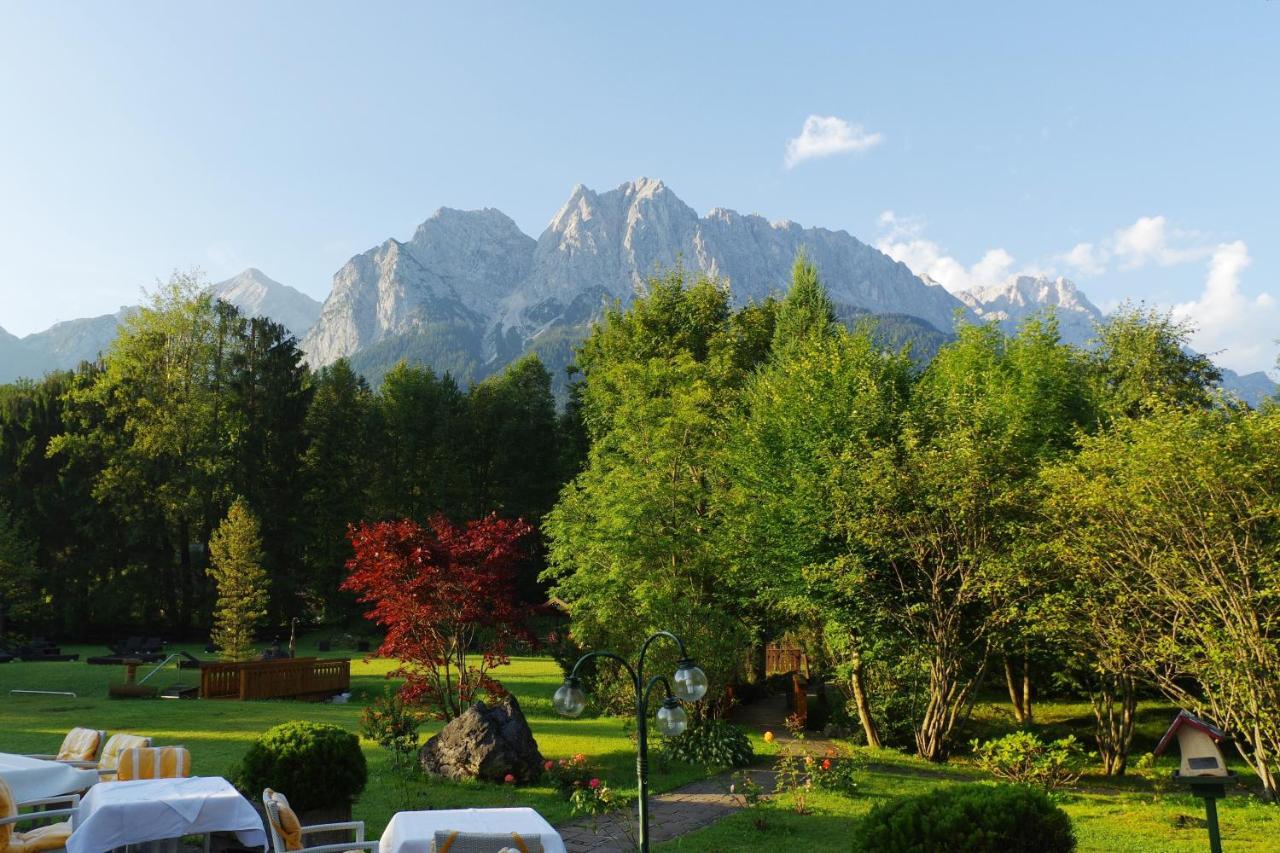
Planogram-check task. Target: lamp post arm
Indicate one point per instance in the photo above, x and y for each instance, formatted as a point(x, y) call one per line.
point(654, 682)
point(645, 648)
point(635, 679)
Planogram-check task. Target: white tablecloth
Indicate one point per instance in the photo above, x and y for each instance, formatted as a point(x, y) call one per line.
point(113, 814)
point(38, 779)
point(412, 832)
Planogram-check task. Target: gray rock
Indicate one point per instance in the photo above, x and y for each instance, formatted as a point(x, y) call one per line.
point(485, 742)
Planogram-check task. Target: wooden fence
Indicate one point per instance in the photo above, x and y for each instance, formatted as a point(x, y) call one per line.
point(783, 660)
point(276, 679)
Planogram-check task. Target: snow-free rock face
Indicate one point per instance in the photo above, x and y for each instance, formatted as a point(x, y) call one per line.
point(256, 295)
point(1013, 301)
point(475, 269)
point(454, 272)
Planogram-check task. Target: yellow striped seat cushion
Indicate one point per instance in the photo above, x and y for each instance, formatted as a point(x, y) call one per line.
point(51, 837)
point(451, 841)
point(161, 762)
point(117, 744)
point(80, 745)
point(284, 820)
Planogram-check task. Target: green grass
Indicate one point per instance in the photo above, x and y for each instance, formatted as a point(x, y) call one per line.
point(1140, 812)
point(219, 731)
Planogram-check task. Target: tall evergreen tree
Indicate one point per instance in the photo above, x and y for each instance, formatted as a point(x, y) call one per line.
point(341, 433)
point(236, 568)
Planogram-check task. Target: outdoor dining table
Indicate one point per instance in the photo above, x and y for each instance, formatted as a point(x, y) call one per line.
point(40, 778)
point(114, 814)
point(413, 832)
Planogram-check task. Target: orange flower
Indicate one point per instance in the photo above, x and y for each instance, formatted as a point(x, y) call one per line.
point(768, 737)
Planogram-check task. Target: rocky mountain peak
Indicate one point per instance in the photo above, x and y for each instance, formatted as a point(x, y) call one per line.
point(258, 295)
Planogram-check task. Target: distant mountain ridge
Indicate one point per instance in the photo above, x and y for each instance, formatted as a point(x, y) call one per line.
point(65, 345)
point(1010, 303)
point(474, 275)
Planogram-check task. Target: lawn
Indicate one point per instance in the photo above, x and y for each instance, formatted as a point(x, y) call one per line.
point(219, 731)
point(1141, 812)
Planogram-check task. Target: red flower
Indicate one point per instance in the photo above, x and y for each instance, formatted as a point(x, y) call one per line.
point(826, 764)
point(548, 764)
point(594, 783)
point(508, 778)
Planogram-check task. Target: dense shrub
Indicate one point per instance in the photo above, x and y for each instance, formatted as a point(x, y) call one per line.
point(315, 765)
point(710, 742)
point(1023, 758)
point(968, 818)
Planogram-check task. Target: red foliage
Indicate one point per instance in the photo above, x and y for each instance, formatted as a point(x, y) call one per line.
point(445, 595)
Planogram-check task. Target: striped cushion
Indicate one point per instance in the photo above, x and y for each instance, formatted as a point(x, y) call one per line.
point(80, 745)
point(283, 819)
point(447, 841)
point(117, 744)
point(51, 837)
point(163, 762)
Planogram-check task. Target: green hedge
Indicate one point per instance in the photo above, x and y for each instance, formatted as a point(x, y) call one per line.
point(315, 765)
point(968, 818)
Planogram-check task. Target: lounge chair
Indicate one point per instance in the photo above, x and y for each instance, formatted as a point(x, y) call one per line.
point(42, 839)
point(288, 833)
point(109, 763)
point(80, 746)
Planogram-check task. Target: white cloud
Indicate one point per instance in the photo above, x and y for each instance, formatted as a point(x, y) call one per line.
point(904, 241)
point(1085, 259)
point(1148, 241)
point(823, 136)
point(1237, 329)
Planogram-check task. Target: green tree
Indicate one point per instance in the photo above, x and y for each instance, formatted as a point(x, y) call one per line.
point(19, 578)
point(631, 546)
point(824, 401)
point(158, 420)
point(342, 432)
point(236, 569)
point(1142, 361)
point(421, 416)
point(1176, 517)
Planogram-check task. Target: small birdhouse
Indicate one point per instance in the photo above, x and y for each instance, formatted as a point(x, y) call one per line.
point(1198, 742)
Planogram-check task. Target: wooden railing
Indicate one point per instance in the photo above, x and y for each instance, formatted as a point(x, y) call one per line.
point(275, 679)
point(780, 660)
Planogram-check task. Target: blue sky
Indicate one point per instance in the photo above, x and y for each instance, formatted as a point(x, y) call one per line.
point(1129, 146)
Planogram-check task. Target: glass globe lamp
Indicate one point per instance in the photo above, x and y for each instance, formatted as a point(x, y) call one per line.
point(569, 700)
point(690, 682)
point(672, 720)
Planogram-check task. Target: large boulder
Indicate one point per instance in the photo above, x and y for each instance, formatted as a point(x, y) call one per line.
point(485, 742)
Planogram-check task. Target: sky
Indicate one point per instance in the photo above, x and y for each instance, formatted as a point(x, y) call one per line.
point(1130, 147)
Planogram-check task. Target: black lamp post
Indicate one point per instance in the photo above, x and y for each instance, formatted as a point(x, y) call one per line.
point(690, 684)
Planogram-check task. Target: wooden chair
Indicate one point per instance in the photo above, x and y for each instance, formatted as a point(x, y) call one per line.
point(287, 832)
point(50, 837)
point(79, 746)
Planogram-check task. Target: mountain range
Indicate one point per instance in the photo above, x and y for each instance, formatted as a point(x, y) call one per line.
point(469, 291)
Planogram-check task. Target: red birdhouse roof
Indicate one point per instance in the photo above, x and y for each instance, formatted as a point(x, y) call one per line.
point(1185, 718)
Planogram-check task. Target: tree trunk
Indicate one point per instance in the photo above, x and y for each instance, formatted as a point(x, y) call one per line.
point(1114, 706)
point(863, 705)
point(1027, 713)
point(1015, 697)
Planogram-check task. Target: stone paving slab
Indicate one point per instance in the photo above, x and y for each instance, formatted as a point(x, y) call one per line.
point(671, 815)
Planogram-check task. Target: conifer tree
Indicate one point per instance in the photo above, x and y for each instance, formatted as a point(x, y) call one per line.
point(236, 551)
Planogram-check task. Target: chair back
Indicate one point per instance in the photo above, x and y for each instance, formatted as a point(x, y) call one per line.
point(117, 744)
point(81, 745)
point(8, 808)
point(282, 820)
point(161, 762)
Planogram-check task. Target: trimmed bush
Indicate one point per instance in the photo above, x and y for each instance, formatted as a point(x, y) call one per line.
point(1024, 759)
point(315, 765)
point(968, 818)
point(712, 743)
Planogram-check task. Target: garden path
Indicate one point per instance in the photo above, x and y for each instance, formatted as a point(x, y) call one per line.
point(671, 815)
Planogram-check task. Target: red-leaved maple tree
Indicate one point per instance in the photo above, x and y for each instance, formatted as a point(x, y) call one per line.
point(445, 595)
